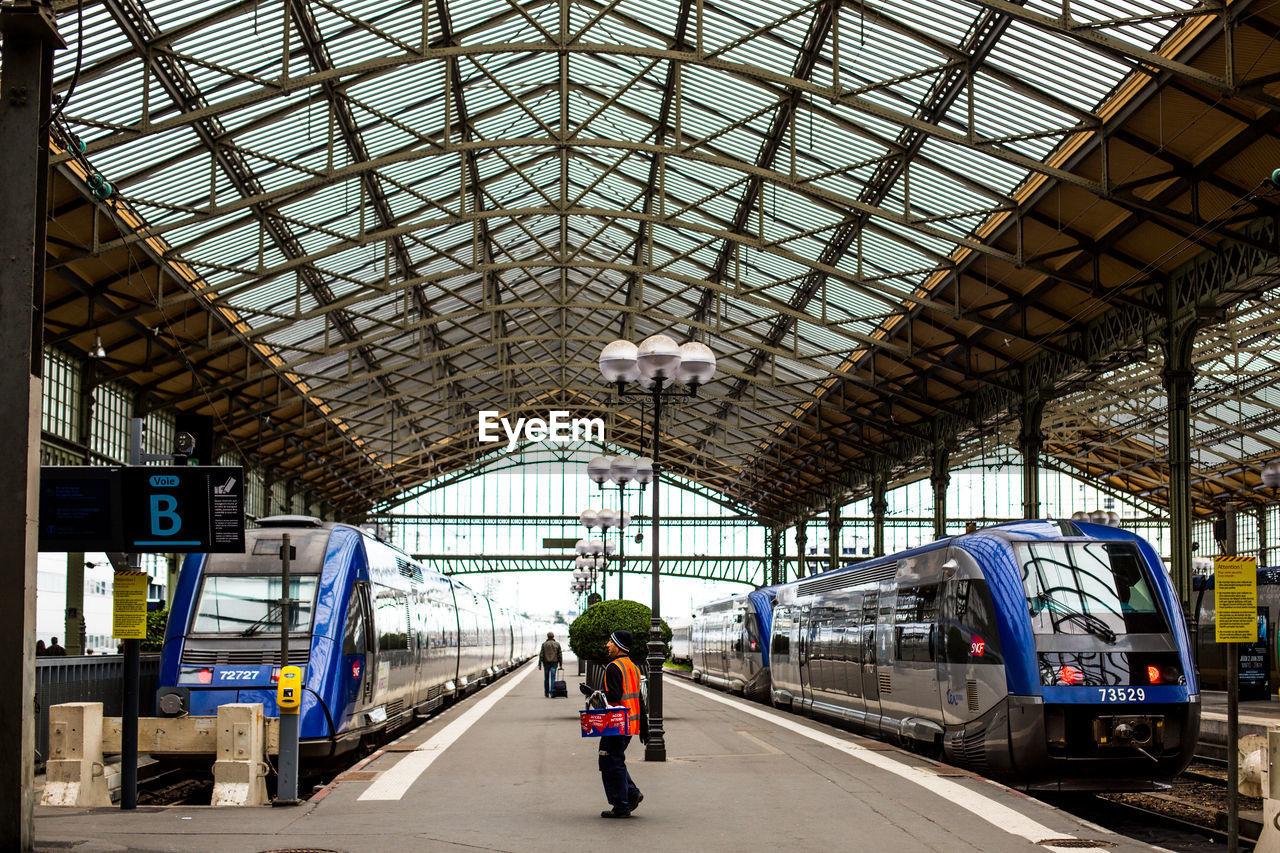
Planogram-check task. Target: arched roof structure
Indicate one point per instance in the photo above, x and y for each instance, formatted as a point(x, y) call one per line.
point(344, 228)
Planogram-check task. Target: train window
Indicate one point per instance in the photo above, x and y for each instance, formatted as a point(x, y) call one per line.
point(1098, 588)
point(353, 636)
point(915, 618)
point(782, 633)
point(390, 619)
point(249, 605)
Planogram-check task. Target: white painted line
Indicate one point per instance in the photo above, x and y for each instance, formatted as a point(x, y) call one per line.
point(997, 814)
point(394, 782)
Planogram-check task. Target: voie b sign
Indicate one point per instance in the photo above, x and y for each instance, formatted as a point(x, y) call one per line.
point(558, 428)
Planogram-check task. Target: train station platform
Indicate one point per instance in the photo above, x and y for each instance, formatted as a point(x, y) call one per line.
point(1255, 718)
point(507, 770)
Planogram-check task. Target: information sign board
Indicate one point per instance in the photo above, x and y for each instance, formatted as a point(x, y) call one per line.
point(142, 509)
point(79, 508)
point(129, 606)
point(1254, 673)
point(1235, 599)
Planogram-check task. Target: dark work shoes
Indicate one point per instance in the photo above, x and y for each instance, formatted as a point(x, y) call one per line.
point(633, 806)
point(611, 813)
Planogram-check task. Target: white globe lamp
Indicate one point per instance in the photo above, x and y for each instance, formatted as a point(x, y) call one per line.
point(618, 362)
point(658, 358)
point(697, 364)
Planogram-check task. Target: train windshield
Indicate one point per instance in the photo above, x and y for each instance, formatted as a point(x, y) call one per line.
point(1098, 588)
point(249, 605)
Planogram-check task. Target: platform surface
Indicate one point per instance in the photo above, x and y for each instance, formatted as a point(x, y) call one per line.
point(1255, 718)
point(506, 770)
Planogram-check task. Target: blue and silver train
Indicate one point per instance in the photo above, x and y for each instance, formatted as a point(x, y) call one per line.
point(729, 642)
point(1051, 655)
point(379, 637)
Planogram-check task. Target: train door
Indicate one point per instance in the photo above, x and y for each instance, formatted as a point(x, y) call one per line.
point(971, 676)
point(870, 678)
point(724, 631)
point(804, 638)
point(737, 631)
point(915, 646)
point(783, 669)
point(357, 649)
point(852, 655)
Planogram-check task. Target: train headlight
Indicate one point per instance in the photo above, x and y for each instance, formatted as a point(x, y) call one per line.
point(1070, 675)
point(1171, 675)
point(1153, 674)
point(205, 676)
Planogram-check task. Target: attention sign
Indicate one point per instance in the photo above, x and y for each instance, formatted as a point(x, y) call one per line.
point(129, 606)
point(1235, 599)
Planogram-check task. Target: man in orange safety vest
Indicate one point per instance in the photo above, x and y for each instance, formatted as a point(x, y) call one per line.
point(621, 687)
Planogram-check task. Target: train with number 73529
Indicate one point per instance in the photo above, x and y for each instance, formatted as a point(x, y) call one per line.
point(1051, 655)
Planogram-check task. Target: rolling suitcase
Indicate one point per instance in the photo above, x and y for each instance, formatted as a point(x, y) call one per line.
point(559, 690)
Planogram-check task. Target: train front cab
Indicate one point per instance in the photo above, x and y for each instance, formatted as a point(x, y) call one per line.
point(222, 642)
point(1101, 689)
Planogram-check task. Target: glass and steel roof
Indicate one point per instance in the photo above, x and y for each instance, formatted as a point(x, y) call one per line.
point(361, 223)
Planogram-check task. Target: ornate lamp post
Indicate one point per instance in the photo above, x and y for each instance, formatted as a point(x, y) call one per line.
point(620, 470)
point(655, 365)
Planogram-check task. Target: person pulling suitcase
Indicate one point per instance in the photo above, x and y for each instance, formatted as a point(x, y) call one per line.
point(550, 659)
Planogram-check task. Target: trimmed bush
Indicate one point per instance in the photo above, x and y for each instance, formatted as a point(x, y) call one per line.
point(156, 622)
point(590, 631)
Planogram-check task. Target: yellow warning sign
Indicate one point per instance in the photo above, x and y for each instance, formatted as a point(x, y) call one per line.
point(129, 597)
point(1235, 599)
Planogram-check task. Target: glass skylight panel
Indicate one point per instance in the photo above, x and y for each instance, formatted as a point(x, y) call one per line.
point(1143, 34)
point(948, 22)
point(1041, 58)
point(776, 47)
point(115, 98)
point(609, 123)
point(707, 89)
point(299, 333)
point(986, 169)
point(268, 295)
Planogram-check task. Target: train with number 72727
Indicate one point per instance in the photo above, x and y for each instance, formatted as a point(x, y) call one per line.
point(379, 637)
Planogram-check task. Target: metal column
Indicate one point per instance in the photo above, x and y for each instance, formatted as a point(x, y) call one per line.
point(30, 38)
point(879, 506)
point(1030, 441)
point(774, 544)
point(834, 523)
point(1178, 377)
point(72, 626)
point(802, 545)
point(940, 478)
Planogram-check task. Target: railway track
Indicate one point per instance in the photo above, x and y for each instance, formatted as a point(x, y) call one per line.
point(1191, 811)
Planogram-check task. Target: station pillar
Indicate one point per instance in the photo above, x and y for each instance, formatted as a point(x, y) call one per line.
point(834, 524)
point(940, 478)
point(1030, 441)
point(1179, 374)
point(879, 506)
point(30, 37)
point(774, 544)
point(802, 545)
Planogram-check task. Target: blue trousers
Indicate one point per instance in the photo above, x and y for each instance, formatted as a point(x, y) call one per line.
point(618, 787)
point(548, 677)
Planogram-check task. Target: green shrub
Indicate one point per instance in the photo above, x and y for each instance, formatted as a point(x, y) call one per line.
point(590, 631)
point(156, 622)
